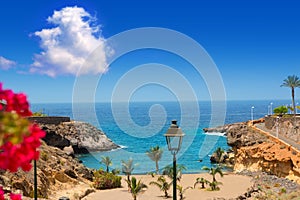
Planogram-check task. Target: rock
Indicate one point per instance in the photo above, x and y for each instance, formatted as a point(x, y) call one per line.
point(69, 151)
point(55, 169)
point(214, 158)
point(83, 137)
point(62, 177)
point(239, 135)
point(70, 173)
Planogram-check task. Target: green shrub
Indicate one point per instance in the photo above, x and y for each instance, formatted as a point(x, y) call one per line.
point(106, 180)
point(281, 110)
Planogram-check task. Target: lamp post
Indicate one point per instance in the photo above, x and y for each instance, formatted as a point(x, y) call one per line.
point(252, 108)
point(268, 109)
point(35, 180)
point(277, 126)
point(174, 139)
point(271, 111)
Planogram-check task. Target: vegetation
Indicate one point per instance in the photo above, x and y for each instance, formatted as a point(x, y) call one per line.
point(168, 170)
point(106, 180)
point(218, 156)
point(39, 114)
point(281, 110)
point(182, 190)
point(155, 154)
point(214, 185)
point(201, 181)
point(292, 82)
point(127, 168)
point(135, 187)
point(213, 171)
point(106, 161)
point(162, 184)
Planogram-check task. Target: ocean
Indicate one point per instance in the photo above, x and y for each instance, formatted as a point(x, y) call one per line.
point(137, 126)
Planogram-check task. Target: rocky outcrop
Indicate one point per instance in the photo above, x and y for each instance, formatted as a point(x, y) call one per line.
point(255, 151)
point(81, 136)
point(56, 171)
point(240, 135)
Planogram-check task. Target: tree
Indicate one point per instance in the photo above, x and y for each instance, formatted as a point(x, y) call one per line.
point(292, 82)
point(162, 184)
point(281, 110)
point(218, 156)
point(182, 190)
point(106, 161)
point(201, 181)
point(168, 170)
point(213, 171)
point(127, 168)
point(214, 185)
point(155, 154)
point(135, 187)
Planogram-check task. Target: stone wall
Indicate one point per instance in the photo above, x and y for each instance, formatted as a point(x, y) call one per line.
point(49, 120)
point(270, 120)
point(288, 126)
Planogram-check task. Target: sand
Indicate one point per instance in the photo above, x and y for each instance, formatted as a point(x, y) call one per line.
point(233, 186)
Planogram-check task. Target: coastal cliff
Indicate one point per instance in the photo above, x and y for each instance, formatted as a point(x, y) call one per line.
point(256, 151)
point(77, 137)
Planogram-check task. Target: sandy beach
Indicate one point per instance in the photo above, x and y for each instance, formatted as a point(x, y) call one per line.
point(232, 186)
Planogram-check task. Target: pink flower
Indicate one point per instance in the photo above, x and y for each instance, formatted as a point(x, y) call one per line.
point(1, 190)
point(15, 196)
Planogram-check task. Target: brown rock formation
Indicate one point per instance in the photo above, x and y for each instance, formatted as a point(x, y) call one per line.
point(255, 151)
point(56, 171)
point(81, 136)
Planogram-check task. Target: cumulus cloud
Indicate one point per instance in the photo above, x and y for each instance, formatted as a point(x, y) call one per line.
point(6, 64)
point(66, 46)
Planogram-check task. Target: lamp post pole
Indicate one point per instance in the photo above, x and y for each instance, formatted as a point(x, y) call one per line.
point(277, 126)
point(252, 108)
point(35, 179)
point(174, 177)
point(271, 111)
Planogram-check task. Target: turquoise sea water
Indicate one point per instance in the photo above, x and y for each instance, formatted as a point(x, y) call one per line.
point(149, 121)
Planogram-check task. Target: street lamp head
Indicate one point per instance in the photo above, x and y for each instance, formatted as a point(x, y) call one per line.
point(174, 137)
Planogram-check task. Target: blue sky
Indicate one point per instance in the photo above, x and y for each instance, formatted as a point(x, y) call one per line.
point(255, 44)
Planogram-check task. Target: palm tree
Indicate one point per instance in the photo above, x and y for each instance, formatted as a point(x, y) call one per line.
point(214, 185)
point(135, 187)
point(218, 156)
point(213, 171)
point(162, 184)
point(168, 170)
point(127, 168)
point(182, 190)
point(292, 82)
point(201, 181)
point(155, 154)
point(106, 161)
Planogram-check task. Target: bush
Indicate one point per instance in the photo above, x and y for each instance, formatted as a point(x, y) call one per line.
point(106, 180)
point(281, 110)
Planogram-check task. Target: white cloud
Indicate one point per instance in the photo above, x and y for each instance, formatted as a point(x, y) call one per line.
point(6, 64)
point(66, 46)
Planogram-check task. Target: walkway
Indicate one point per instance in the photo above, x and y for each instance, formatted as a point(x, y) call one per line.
point(261, 126)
